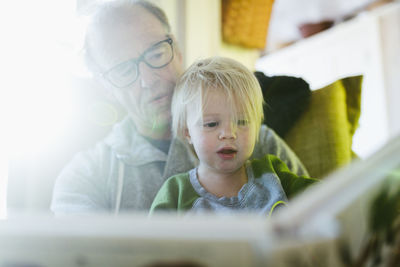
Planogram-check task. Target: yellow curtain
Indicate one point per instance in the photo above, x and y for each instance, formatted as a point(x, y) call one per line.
point(245, 22)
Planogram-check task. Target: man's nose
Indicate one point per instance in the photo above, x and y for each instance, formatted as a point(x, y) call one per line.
point(228, 131)
point(147, 75)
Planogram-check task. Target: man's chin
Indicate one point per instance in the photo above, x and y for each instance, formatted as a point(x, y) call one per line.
point(164, 116)
point(162, 122)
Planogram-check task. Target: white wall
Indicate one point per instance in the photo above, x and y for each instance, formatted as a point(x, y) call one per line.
point(197, 26)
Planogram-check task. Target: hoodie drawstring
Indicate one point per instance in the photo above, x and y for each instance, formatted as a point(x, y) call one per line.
point(120, 184)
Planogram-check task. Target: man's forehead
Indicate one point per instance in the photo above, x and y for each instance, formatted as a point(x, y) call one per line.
point(127, 36)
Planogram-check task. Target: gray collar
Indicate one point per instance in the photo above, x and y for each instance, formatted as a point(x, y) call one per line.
point(130, 147)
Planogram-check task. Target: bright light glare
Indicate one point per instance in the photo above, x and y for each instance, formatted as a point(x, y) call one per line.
point(41, 58)
point(3, 186)
point(41, 40)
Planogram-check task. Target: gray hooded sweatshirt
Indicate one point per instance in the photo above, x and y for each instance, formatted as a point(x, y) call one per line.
point(122, 172)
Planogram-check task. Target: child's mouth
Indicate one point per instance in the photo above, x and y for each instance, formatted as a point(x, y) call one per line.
point(227, 153)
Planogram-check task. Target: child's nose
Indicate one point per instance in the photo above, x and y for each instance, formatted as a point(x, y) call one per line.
point(228, 131)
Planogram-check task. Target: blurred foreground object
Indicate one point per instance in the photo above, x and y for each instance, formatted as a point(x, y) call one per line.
point(349, 219)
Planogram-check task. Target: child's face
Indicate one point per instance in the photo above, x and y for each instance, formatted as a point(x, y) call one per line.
point(221, 144)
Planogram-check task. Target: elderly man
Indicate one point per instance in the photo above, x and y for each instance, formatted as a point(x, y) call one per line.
point(129, 47)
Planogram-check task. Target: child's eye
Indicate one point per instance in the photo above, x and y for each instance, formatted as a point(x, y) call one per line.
point(210, 124)
point(242, 122)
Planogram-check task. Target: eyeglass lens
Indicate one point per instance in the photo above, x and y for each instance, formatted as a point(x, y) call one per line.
point(127, 72)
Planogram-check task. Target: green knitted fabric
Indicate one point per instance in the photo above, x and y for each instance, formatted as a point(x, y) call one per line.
point(291, 183)
point(322, 137)
point(178, 194)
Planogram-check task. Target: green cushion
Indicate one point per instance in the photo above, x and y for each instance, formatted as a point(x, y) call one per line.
point(322, 137)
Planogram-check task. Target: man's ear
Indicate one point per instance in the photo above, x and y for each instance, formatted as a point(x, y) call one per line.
point(177, 50)
point(187, 136)
point(180, 57)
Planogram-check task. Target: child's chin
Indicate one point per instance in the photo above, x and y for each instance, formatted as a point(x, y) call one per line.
point(230, 169)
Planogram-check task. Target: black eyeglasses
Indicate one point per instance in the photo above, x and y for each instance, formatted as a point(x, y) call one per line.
point(157, 56)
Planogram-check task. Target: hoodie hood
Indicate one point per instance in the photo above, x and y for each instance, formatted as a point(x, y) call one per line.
point(130, 147)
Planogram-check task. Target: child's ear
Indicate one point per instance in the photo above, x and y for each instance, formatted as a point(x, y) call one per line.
point(187, 135)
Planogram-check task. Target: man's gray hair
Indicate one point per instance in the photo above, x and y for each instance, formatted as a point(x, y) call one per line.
point(106, 10)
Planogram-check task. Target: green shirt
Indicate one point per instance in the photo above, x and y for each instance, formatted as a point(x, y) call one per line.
point(270, 182)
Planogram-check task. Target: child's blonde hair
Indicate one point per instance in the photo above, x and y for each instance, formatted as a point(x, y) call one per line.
point(217, 73)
